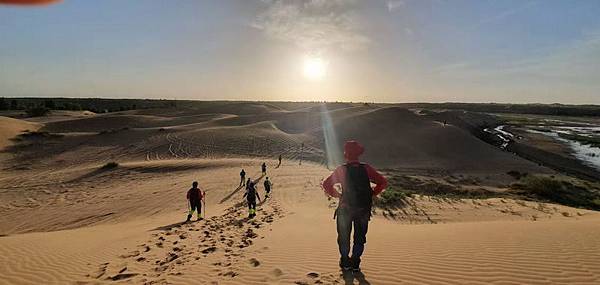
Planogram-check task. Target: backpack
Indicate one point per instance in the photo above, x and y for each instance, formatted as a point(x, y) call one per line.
point(251, 191)
point(195, 194)
point(358, 195)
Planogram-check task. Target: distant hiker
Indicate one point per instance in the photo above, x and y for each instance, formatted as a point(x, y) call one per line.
point(267, 185)
point(195, 196)
point(251, 195)
point(242, 178)
point(279, 164)
point(355, 202)
point(263, 167)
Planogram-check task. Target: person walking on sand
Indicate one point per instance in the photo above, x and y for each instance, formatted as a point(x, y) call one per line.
point(279, 164)
point(242, 178)
point(251, 195)
point(195, 196)
point(267, 185)
point(263, 168)
point(356, 199)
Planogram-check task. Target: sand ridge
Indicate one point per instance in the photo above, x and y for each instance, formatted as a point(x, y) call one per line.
point(66, 219)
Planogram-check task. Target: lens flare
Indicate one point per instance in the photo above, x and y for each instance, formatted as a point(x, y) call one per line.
point(333, 151)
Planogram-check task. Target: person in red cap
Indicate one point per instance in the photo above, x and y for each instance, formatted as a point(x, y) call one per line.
point(355, 204)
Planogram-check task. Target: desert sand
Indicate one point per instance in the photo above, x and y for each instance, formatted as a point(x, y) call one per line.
point(65, 220)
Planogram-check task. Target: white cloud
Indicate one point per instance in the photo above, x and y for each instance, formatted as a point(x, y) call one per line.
point(314, 25)
point(393, 5)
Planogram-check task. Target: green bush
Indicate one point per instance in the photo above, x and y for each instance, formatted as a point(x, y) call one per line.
point(558, 191)
point(392, 196)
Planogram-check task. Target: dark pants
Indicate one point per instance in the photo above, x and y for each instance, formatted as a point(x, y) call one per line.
point(195, 206)
point(345, 221)
point(252, 206)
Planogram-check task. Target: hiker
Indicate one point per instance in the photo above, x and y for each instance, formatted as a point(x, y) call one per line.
point(263, 167)
point(279, 164)
point(195, 196)
point(354, 208)
point(267, 185)
point(242, 178)
point(251, 195)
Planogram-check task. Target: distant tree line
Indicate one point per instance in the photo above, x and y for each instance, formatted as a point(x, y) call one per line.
point(98, 105)
point(41, 106)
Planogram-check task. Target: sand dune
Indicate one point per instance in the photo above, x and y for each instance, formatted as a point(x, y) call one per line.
point(397, 137)
point(66, 219)
point(10, 128)
point(293, 238)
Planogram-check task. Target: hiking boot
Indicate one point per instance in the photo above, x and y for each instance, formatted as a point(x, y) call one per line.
point(188, 218)
point(355, 264)
point(345, 263)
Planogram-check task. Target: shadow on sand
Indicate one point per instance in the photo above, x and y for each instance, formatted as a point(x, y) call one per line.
point(349, 278)
point(236, 190)
point(173, 225)
point(168, 227)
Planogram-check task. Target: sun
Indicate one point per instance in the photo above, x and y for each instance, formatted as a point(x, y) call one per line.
point(315, 68)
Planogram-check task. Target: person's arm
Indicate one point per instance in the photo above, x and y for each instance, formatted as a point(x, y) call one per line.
point(334, 178)
point(377, 178)
point(188, 195)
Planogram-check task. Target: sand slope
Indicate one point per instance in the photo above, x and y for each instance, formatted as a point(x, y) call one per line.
point(396, 137)
point(10, 128)
point(493, 241)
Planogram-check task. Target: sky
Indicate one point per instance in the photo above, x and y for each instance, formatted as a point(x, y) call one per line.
point(506, 51)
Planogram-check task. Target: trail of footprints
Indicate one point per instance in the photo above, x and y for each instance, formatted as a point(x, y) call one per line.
point(195, 243)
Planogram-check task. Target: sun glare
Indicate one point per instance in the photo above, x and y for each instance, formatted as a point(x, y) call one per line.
point(315, 68)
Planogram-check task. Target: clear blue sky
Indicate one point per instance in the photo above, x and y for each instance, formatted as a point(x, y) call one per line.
point(387, 51)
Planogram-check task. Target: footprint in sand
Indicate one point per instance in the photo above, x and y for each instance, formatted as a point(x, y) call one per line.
point(122, 276)
point(277, 272)
point(209, 250)
point(229, 274)
point(227, 232)
point(254, 262)
point(100, 271)
point(131, 254)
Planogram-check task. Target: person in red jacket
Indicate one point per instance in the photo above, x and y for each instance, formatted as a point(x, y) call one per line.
point(195, 196)
point(356, 199)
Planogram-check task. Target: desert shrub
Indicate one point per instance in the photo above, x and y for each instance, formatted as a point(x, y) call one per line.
point(392, 196)
point(110, 165)
point(559, 191)
point(38, 111)
point(39, 135)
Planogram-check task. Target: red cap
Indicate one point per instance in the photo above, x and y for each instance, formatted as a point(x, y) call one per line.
point(352, 150)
